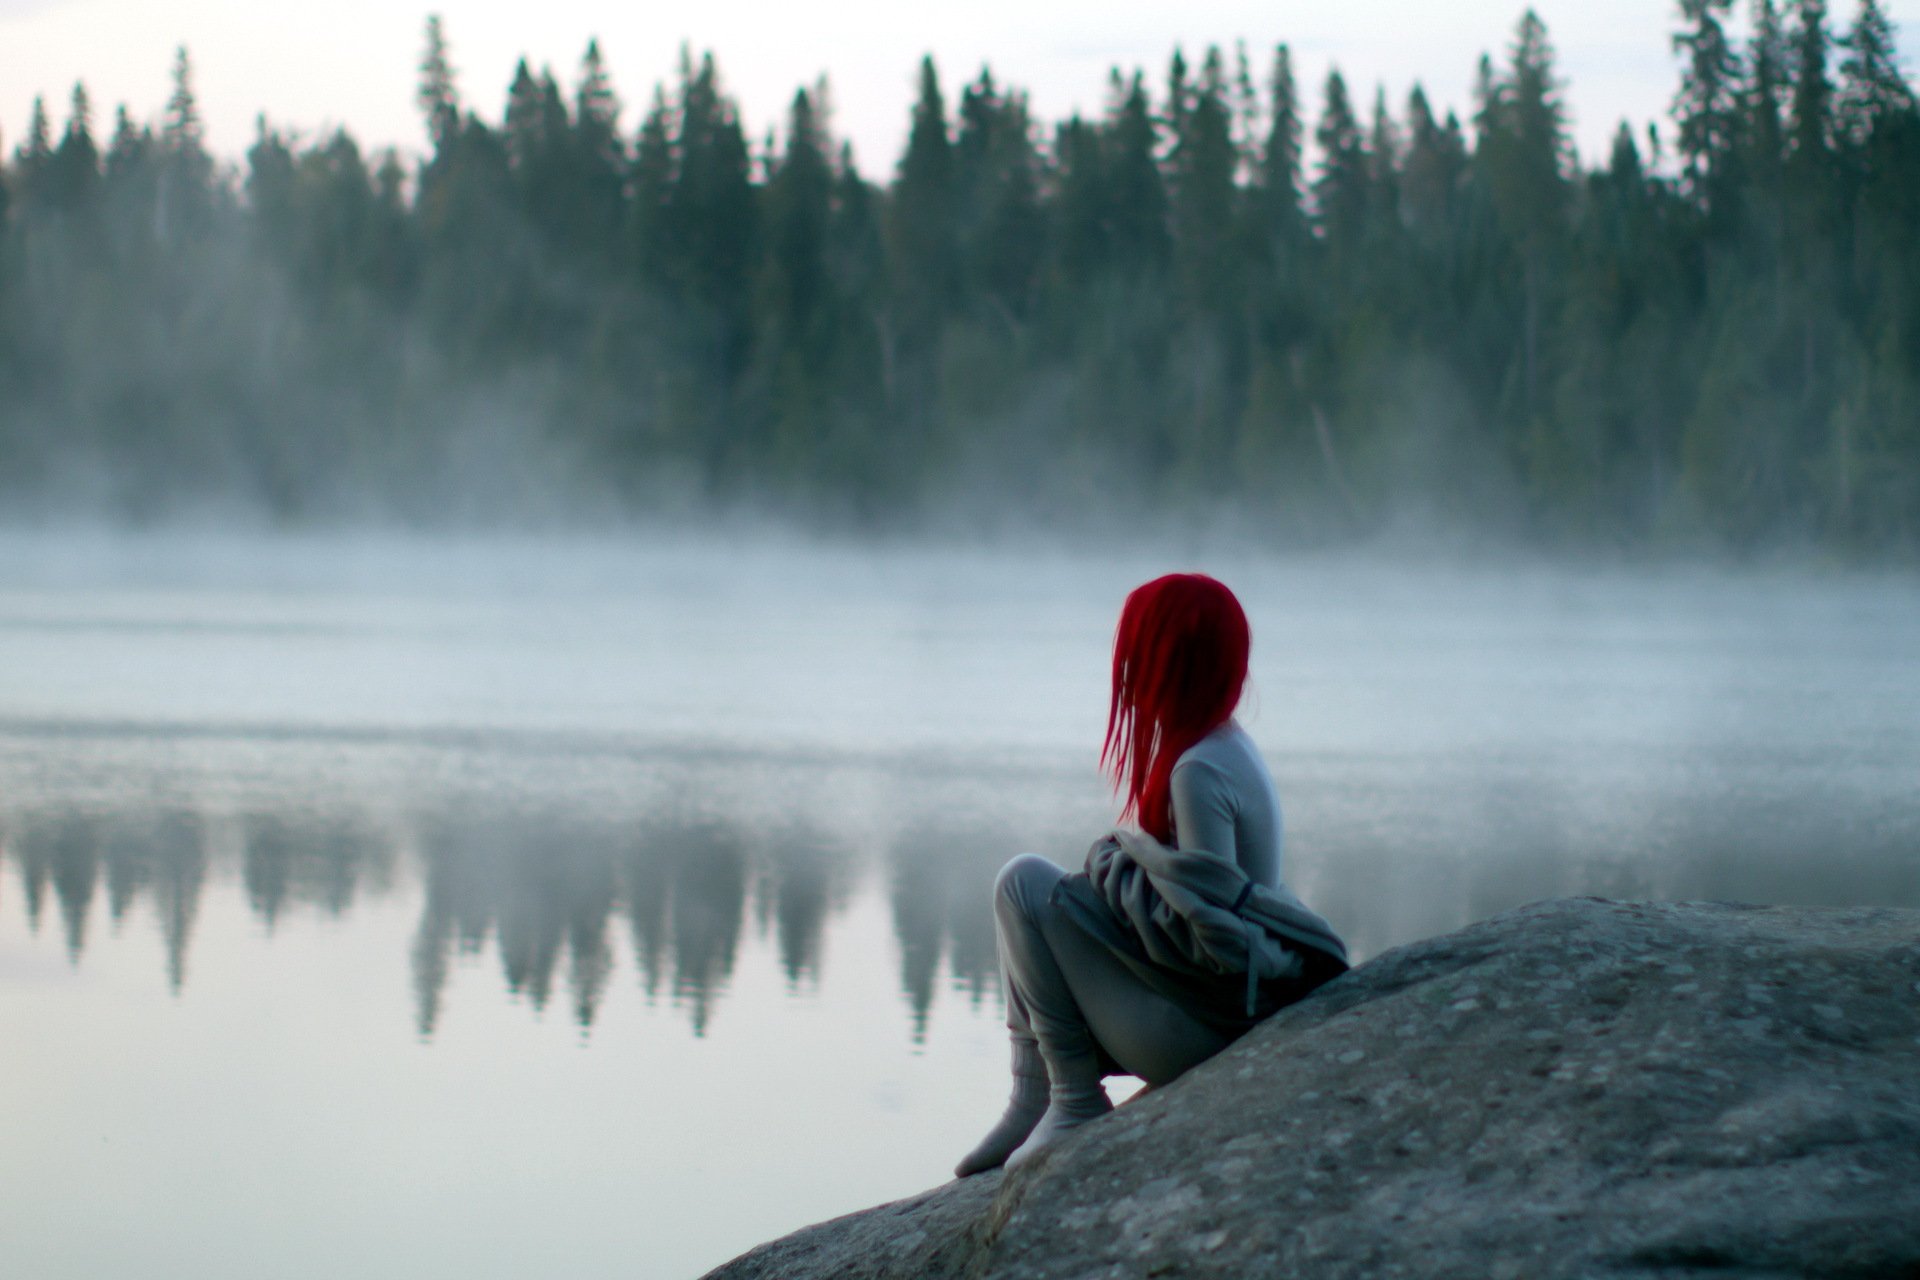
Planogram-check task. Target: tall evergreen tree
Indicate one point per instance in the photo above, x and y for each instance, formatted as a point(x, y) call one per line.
point(439, 93)
point(183, 133)
point(1080, 238)
point(1436, 164)
point(1872, 88)
point(921, 230)
point(1204, 165)
point(74, 170)
point(1763, 132)
point(1383, 162)
point(1810, 101)
point(1137, 213)
point(1000, 233)
point(1707, 108)
point(1340, 190)
point(187, 174)
point(1279, 174)
point(1532, 148)
point(796, 308)
point(652, 181)
point(1524, 157)
point(601, 159)
point(33, 159)
point(711, 209)
point(799, 213)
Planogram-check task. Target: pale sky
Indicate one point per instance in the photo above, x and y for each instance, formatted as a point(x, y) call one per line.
point(352, 62)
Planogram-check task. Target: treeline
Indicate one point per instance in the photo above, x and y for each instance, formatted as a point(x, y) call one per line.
point(1201, 301)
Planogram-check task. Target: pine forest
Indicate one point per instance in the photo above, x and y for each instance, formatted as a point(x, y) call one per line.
point(1318, 312)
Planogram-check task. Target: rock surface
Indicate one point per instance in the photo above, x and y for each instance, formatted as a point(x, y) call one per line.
point(1575, 1088)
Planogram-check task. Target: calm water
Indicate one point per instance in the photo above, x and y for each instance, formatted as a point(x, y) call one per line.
point(586, 910)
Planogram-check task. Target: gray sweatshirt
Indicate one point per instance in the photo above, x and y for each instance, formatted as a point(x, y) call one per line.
point(1224, 802)
point(1208, 922)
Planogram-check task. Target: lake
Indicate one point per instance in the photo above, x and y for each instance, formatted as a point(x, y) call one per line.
point(396, 907)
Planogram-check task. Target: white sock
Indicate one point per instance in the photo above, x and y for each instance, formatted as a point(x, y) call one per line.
point(1075, 1096)
point(1024, 1110)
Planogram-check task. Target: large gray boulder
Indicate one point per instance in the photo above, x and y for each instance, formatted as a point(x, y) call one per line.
point(1575, 1088)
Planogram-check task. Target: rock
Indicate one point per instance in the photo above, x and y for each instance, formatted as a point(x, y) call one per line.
point(1575, 1088)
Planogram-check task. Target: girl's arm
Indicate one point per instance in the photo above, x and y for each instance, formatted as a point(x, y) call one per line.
point(1205, 809)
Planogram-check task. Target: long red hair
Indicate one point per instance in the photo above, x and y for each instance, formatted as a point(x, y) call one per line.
point(1179, 664)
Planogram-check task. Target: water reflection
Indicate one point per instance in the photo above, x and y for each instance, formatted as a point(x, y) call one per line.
point(548, 888)
point(161, 855)
point(540, 888)
point(301, 859)
point(544, 888)
point(556, 886)
point(939, 895)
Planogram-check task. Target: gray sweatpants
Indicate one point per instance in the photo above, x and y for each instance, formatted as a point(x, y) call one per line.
point(1088, 1011)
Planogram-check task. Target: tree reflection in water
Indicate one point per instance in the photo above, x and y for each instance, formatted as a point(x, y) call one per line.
point(294, 858)
point(1388, 857)
point(162, 854)
point(539, 886)
point(545, 888)
point(942, 874)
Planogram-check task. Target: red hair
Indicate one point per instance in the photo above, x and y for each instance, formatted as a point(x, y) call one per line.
point(1179, 664)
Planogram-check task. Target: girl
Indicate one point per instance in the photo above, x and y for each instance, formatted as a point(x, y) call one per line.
point(1178, 937)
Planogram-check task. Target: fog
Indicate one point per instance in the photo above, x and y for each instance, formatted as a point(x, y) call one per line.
point(660, 863)
point(1451, 735)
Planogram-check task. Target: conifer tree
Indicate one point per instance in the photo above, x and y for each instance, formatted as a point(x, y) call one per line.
point(795, 310)
point(1279, 174)
point(1523, 159)
point(1763, 133)
point(439, 95)
point(1531, 170)
point(33, 159)
point(921, 231)
point(601, 159)
point(1872, 88)
point(1383, 162)
point(653, 170)
point(799, 210)
point(1706, 110)
point(1081, 240)
point(1204, 164)
point(269, 186)
point(997, 220)
point(1810, 121)
point(127, 153)
point(710, 219)
point(1179, 93)
point(187, 174)
point(1137, 192)
point(1340, 190)
point(596, 105)
point(524, 135)
point(183, 133)
point(74, 171)
point(856, 261)
point(1436, 163)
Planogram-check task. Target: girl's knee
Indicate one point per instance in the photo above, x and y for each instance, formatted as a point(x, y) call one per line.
point(1026, 880)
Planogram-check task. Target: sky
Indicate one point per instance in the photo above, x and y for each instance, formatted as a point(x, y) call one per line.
point(352, 63)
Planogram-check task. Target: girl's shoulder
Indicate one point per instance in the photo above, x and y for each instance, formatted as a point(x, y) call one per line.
point(1227, 750)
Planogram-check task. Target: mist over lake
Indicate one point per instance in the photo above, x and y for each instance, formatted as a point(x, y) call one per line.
point(441, 907)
